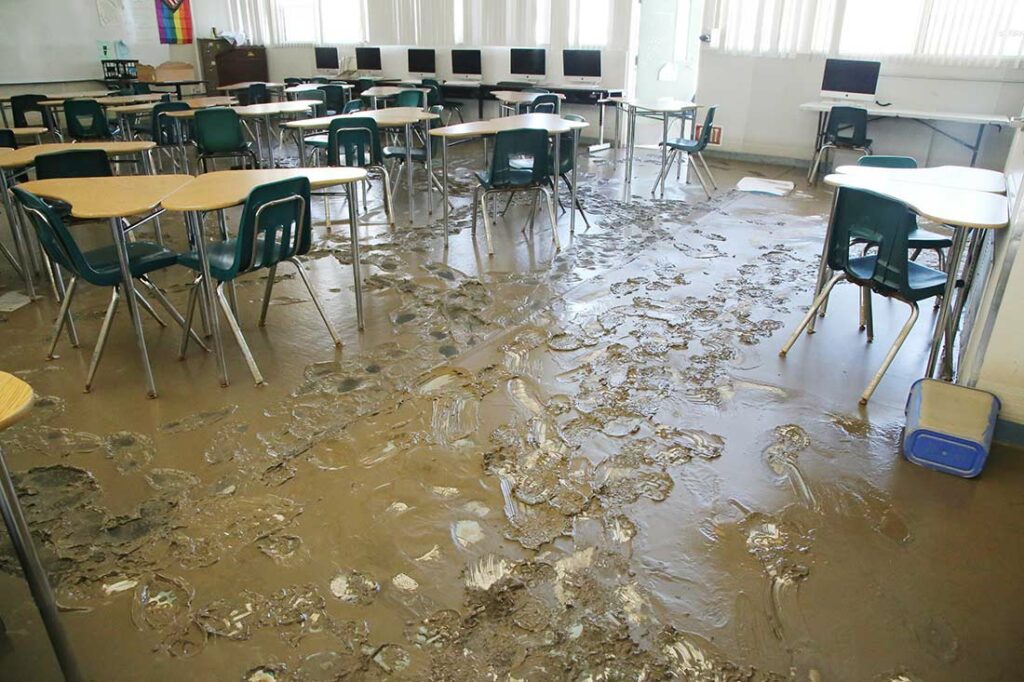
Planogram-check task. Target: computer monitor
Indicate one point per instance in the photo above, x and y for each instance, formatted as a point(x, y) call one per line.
point(850, 79)
point(368, 59)
point(422, 62)
point(527, 62)
point(581, 65)
point(466, 63)
point(327, 60)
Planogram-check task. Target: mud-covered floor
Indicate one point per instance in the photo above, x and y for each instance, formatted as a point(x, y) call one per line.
point(586, 465)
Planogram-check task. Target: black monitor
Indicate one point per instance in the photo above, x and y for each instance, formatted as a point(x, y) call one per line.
point(581, 63)
point(421, 61)
point(466, 62)
point(326, 58)
point(850, 79)
point(527, 61)
point(368, 59)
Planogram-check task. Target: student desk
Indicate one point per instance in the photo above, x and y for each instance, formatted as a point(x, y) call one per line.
point(667, 108)
point(177, 85)
point(53, 105)
point(17, 159)
point(34, 132)
point(953, 177)
point(264, 112)
point(513, 99)
point(394, 117)
point(125, 112)
point(555, 126)
point(925, 118)
point(969, 212)
point(112, 199)
point(295, 91)
point(223, 189)
point(235, 87)
point(379, 92)
point(6, 99)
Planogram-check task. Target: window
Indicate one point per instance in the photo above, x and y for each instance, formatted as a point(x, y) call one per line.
point(980, 32)
point(299, 22)
point(589, 21)
point(342, 22)
point(296, 21)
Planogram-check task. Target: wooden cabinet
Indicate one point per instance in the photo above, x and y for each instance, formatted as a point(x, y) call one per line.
point(223, 64)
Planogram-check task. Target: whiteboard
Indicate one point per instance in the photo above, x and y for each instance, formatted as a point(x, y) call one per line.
point(49, 41)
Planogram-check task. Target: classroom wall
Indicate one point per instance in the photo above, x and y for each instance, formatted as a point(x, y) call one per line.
point(759, 99)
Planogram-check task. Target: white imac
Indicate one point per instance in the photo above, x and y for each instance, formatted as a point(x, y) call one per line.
point(422, 62)
point(851, 79)
point(368, 61)
point(327, 62)
point(530, 64)
point(581, 66)
point(466, 65)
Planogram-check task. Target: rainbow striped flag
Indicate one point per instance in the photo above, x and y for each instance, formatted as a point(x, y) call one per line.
point(174, 21)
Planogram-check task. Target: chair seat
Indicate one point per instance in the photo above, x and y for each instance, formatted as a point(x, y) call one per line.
point(143, 258)
point(316, 141)
point(221, 256)
point(398, 152)
point(847, 143)
point(925, 282)
point(923, 239)
point(517, 178)
point(683, 144)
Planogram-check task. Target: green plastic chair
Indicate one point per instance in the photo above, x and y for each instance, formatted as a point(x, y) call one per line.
point(508, 172)
point(320, 79)
point(352, 106)
point(99, 267)
point(320, 109)
point(888, 273)
point(335, 98)
point(846, 128)
point(546, 103)
point(566, 162)
point(74, 163)
point(692, 148)
point(86, 120)
point(256, 93)
point(292, 82)
point(364, 84)
point(411, 98)
point(141, 89)
point(918, 239)
point(26, 104)
point(161, 128)
point(274, 228)
point(8, 139)
point(419, 154)
point(219, 135)
point(434, 97)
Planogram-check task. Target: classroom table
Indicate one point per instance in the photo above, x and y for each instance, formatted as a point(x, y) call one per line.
point(264, 113)
point(53, 105)
point(555, 126)
point(245, 86)
point(125, 112)
point(969, 212)
point(954, 177)
point(6, 99)
point(513, 99)
point(219, 190)
point(925, 118)
point(34, 132)
point(177, 85)
point(18, 159)
point(111, 199)
point(394, 117)
point(379, 92)
point(294, 91)
point(667, 108)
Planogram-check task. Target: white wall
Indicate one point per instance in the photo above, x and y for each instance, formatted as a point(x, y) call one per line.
point(759, 99)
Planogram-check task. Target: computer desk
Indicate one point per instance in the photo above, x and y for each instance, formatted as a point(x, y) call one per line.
point(925, 118)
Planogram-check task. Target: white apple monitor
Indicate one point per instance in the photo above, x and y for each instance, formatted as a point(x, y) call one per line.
point(368, 61)
point(528, 63)
point(581, 66)
point(852, 79)
point(327, 62)
point(422, 62)
point(467, 64)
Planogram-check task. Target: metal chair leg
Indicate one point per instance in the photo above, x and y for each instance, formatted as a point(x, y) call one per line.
point(389, 207)
point(172, 311)
point(707, 169)
point(511, 196)
point(236, 331)
point(700, 178)
point(476, 199)
point(554, 219)
point(101, 343)
point(271, 275)
point(190, 309)
point(35, 574)
point(148, 307)
point(818, 301)
point(487, 222)
point(533, 210)
point(316, 300)
point(891, 355)
point(62, 316)
point(57, 280)
point(869, 318)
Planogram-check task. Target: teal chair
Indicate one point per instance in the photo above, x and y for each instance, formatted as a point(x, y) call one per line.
point(919, 239)
point(74, 163)
point(99, 267)
point(256, 93)
point(8, 139)
point(508, 172)
point(889, 272)
point(396, 153)
point(436, 97)
point(546, 103)
point(292, 82)
point(141, 88)
point(86, 120)
point(219, 134)
point(692, 149)
point(320, 79)
point(411, 98)
point(22, 105)
point(335, 98)
point(164, 131)
point(274, 228)
point(355, 141)
point(352, 106)
point(846, 128)
point(322, 108)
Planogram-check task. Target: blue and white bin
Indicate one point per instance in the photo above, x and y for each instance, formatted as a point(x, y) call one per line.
point(949, 427)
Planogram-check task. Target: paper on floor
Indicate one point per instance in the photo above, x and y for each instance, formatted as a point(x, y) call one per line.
point(777, 188)
point(13, 300)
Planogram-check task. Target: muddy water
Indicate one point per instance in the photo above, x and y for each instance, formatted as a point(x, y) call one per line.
point(577, 465)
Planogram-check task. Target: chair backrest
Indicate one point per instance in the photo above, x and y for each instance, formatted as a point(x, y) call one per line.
point(55, 238)
point(23, 104)
point(358, 138)
point(162, 128)
point(523, 142)
point(565, 157)
point(545, 103)
point(888, 161)
point(705, 130)
point(320, 79)
point(219, 130)
point(86, 120)
point(841, 118)
point(274, 226)
point(75, 163)
point(141, 88)
point(8, 139)
point(352, 106)
point(364, 84)
point(290, 82)
point(335, 97)
point(411, 98)
point(881, 220)
point(319, 109)
point(436, 95)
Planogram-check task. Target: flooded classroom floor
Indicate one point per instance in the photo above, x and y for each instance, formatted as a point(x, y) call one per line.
point(580, 465)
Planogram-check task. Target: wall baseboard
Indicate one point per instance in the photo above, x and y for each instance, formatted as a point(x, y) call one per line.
point(758, 158)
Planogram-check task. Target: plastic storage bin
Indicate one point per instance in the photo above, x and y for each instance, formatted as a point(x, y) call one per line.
point(949, 427)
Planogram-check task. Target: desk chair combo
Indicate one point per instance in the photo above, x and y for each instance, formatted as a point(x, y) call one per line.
point(692, 149)
point(889, 272)
point(16, 398)
point(509, 172)
point(841, 119)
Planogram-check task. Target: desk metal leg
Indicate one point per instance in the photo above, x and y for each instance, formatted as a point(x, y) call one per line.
point(209, 301)
point(267, 126)
point(408, 167)
point(823, 270)
point(353, 223)
point(955, 255)
point(554, 176)
point(977, 239)
point(630, 135)
point(147, 169)
point(430, 169)
point(664, 156)
point(21, 245)
point(572, 198)
point(132, 301)
point(444, 186)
